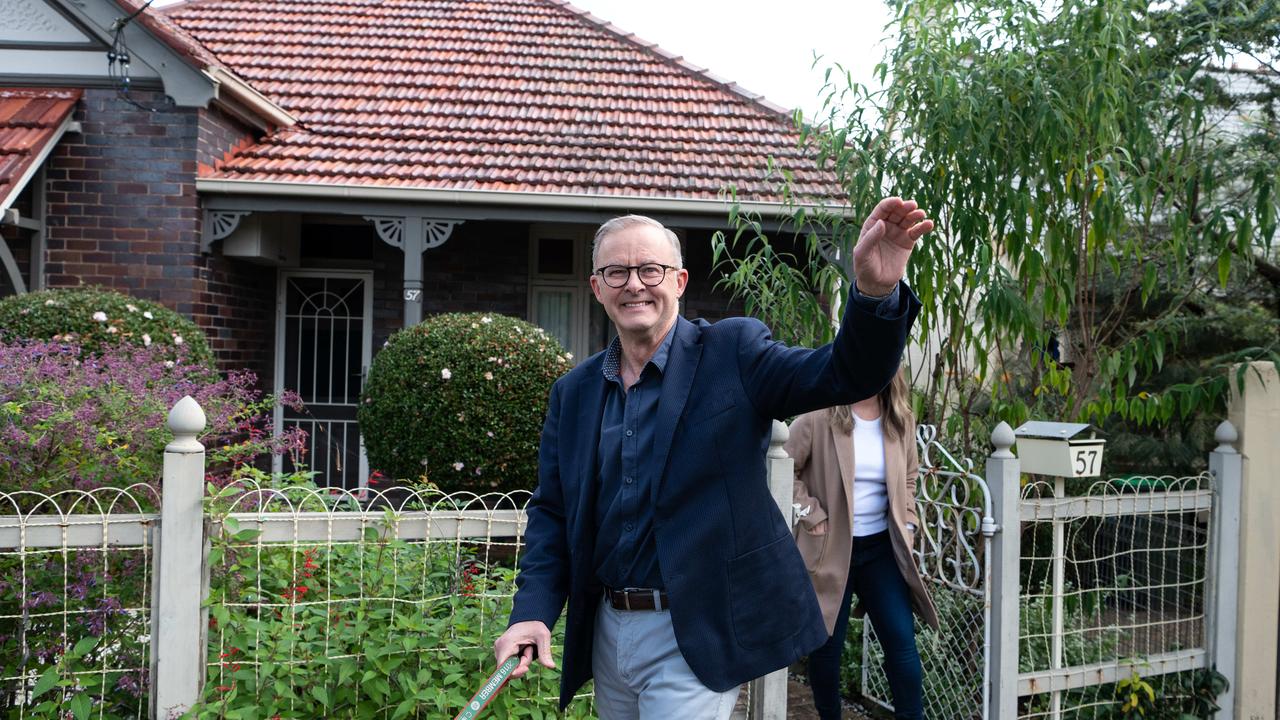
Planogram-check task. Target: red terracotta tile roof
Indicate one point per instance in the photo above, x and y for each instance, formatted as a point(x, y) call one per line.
point(512, 95)
point(31, 120)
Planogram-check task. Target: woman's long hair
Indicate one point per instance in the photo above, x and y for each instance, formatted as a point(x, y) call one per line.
point(895, 408)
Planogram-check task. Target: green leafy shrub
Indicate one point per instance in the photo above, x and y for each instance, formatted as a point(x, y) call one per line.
point(460, 399)
point(97, 319)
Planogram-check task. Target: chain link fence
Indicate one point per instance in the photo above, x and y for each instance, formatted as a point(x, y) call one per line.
point(951, 554)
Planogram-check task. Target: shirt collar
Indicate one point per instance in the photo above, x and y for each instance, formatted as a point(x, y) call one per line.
point(613, 356)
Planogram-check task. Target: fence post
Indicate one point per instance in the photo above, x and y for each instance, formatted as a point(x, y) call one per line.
point(177, 653)
point(768, 696)
point(1254, 410)
point(1224, 463)
point(1003, 481)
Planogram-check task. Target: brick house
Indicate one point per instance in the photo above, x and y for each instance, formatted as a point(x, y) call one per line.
point(305, 179)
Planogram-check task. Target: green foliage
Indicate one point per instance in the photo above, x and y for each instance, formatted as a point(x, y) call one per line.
point(1080, 610)
point(380, 628)
point(460, 399)
point(96, 319)
point(1072, 157)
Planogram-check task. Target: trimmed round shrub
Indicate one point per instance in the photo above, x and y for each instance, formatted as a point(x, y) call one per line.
point(460, 399)
point(97, 319)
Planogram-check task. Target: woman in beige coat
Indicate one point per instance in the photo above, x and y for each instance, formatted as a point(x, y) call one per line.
point(856, 469)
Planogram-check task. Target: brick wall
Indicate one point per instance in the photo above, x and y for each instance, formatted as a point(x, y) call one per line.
point(123, 213)
point(234, 300)
point(122, 203)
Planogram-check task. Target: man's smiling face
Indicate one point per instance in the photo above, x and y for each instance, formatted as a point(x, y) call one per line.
point(638, 311)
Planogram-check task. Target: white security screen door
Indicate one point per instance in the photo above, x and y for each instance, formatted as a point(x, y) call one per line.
point(324, 332)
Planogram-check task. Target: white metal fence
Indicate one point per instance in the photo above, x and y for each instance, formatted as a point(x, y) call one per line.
point(108, 609)
point(1047, 599)
point(75, 600)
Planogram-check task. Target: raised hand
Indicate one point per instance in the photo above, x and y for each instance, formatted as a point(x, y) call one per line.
point(884, 246)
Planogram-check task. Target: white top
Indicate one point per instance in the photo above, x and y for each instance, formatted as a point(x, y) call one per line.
point(870, 495)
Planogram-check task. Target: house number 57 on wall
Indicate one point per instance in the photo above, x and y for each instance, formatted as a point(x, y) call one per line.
point(413, 295)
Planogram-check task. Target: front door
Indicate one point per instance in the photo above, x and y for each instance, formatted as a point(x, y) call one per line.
point(324, 332)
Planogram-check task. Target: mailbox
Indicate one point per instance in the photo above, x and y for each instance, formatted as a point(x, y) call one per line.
point(1059, 449)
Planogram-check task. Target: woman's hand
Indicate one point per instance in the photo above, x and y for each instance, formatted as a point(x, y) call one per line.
point(819, 529)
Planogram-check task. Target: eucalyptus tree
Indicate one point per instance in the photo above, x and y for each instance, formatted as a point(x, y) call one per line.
point(1073, 156)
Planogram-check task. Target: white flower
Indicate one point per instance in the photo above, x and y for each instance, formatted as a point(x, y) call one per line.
point(177, 339)
point(147, 314)
point(493, 359)
point(568, 356)
point(475, 326)
point(457, 466)
point(445, 374)
point(130, 307)
point(488, 376)
point(113, 330)
point(486, 319)
point(168, 364)
point(50, 303)
point(100, 316)
point(146, 340)
point(490, 433)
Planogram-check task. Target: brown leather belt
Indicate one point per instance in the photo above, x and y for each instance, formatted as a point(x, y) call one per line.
point(636, 599)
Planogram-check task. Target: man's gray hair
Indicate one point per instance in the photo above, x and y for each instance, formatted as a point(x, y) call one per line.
point(628, 221)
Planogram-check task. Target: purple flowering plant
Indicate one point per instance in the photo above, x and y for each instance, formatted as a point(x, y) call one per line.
point(79, 422)
point(89, 431)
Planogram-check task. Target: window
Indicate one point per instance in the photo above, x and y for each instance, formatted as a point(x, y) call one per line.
point(560, 298)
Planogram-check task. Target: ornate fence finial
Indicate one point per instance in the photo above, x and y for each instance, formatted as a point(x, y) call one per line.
point(186, 420)
point(1226, 436)
point(779, 438)
point(1002, 437)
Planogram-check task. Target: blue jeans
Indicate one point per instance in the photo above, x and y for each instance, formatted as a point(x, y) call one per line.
point(874, 577)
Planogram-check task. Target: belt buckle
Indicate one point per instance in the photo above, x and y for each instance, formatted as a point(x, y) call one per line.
point(657, 596)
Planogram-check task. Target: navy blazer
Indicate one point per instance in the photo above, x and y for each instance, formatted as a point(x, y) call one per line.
point(741, 601)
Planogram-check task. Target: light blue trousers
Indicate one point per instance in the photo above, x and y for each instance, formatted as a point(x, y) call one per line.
point(641, 675)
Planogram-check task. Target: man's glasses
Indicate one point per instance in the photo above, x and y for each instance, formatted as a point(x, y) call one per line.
point(650, 274)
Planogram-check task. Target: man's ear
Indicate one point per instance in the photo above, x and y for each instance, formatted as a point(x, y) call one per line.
point(682, 281)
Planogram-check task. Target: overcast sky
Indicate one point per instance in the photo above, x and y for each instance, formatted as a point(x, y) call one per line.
point(766, 47)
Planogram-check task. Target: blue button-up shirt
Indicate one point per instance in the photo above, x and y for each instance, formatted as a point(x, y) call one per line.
point(626, 553)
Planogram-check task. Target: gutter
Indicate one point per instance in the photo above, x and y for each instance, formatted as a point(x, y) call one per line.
point(241, 92)
point(267, 188)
